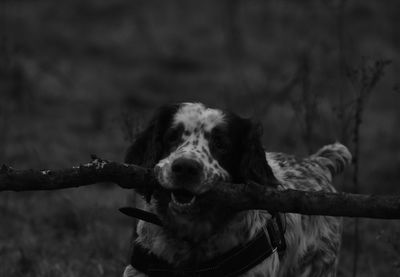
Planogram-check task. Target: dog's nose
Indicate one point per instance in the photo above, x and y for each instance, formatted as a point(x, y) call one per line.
point(185, 169)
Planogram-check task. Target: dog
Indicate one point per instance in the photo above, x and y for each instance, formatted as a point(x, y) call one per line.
point(192, 148)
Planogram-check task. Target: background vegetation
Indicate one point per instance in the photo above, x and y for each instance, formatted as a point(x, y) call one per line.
point(82, 76)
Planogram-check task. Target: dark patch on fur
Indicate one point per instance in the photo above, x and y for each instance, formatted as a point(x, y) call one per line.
point(149, 145)
point(243, 155)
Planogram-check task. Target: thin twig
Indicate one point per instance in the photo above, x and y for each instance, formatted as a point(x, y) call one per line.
point(365, 78)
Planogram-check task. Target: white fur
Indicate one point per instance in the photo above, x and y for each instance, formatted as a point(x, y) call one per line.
point(196, 120)
point(191, 115)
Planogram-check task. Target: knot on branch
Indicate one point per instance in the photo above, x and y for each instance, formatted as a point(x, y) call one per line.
point(97, 162)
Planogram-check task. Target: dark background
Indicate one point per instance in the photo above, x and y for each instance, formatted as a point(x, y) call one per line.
point(82, 76)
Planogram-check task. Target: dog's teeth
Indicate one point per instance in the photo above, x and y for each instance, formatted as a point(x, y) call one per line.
point(192, 201)
point(173, 198)
point(176, 202)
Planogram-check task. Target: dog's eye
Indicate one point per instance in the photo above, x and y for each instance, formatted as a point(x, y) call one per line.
point(173, 135)
point(220, 143)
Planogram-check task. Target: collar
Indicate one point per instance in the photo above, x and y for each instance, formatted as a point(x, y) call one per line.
point(232, 263)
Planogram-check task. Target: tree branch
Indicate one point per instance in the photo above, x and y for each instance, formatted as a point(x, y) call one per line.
point(97, 171)
point(257, 197)
point(237, 197)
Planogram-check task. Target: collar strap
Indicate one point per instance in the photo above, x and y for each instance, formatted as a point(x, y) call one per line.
point(275, 228)
point(233, 263)
point(141, 214)
point(276, 232)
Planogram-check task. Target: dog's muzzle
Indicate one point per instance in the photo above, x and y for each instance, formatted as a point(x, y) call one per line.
point(186, 173)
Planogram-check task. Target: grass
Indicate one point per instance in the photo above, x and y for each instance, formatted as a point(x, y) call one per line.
point(71, 233)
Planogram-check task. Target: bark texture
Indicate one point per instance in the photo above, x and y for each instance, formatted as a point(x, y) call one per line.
point(236, 197)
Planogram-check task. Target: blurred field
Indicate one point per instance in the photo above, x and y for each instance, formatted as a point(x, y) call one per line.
point(81, 77)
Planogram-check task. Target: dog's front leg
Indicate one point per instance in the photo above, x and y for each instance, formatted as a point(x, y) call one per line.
point(130, 271)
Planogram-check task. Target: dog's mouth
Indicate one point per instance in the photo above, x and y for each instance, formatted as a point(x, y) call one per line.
point(183, 197)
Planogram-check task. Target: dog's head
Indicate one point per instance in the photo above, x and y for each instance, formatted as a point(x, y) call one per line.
point(192, 148)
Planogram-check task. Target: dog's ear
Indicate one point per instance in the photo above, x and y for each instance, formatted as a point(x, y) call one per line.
point(254, 166)
point(146, 150)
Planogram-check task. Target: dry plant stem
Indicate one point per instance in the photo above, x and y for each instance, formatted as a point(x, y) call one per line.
point(309, 103)
point(356, 140)
point(342, 114)
point(235, 197)
point(365, 78)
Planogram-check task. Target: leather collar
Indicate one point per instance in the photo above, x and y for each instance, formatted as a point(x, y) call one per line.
point(232, 263)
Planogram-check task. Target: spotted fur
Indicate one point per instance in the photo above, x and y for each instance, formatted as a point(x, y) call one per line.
point(223, 146)
point(196, 123)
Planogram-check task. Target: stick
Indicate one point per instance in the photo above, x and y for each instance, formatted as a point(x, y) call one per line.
point(257, 197)
point(237, 197)
point(97, 171)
